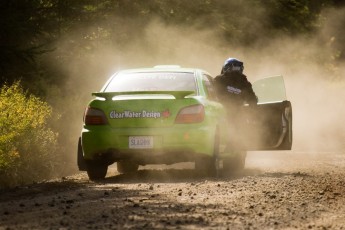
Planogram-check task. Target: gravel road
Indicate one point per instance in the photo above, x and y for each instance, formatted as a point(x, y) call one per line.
point(277, 190)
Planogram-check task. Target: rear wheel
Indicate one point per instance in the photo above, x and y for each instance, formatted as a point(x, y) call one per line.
point(127, 167)
point(96, 171)
point(207, 165)
point(236, 163)
point(80, 158)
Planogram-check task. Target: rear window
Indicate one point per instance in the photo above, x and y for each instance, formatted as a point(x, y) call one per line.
point(162, 81)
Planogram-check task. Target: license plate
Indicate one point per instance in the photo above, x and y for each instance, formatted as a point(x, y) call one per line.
point(140, 142)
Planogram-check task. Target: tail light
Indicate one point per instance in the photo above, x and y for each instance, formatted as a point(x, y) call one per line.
point(191, 114)
point(94, 116)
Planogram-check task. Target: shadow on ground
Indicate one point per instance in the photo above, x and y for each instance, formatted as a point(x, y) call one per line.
point(36, 189)
point(176, 176)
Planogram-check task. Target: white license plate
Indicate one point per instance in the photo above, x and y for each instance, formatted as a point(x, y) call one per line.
point(140, 142)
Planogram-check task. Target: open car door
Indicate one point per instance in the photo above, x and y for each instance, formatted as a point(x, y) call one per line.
point(270, 122)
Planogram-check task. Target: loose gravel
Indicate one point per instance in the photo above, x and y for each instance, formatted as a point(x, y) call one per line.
point(277, 190)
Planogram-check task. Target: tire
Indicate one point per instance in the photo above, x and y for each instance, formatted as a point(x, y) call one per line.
point(236, 163)
point(207, 165)
point(127, 167)
point(96, 171)
point(82, 166)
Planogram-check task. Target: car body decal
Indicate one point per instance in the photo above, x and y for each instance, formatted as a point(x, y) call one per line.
point(135, 114)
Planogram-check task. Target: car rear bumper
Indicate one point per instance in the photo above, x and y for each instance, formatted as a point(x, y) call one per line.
point(170, 145)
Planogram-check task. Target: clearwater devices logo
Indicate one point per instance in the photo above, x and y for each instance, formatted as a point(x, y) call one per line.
point(143, 114)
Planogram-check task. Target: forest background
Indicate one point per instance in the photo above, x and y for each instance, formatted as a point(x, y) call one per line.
point(54, 53)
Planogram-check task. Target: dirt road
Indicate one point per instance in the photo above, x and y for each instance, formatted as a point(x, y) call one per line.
point(280, 190)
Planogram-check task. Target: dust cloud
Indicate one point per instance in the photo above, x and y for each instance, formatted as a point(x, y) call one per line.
point(315, 89)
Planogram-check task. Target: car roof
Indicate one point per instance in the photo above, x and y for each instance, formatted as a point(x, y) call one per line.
point(163, 68)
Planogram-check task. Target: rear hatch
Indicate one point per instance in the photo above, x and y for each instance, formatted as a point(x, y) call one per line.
point(145, 109)
point(148, 98)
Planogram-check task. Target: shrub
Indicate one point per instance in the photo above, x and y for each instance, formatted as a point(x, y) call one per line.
point(28, 146)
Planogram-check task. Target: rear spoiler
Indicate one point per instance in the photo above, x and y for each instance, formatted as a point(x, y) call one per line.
point(110, 95)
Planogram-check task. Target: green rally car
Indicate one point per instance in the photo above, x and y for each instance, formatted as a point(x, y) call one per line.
point(169, 114)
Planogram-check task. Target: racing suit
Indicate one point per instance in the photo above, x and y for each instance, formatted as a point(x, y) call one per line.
point(234, 91)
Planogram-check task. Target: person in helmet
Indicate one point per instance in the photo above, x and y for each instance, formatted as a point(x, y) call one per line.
point(235, 92)
point(232, 85)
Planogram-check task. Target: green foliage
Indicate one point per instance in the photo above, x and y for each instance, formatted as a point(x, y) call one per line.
point(29, 29)
point(27, 146)
point(294, 16)
point(21, 38)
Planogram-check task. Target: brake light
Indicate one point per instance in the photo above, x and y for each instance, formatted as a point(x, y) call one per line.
point(191, 114)
point(94, 116)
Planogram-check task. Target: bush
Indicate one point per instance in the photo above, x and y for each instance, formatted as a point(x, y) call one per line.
point(28, 146)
